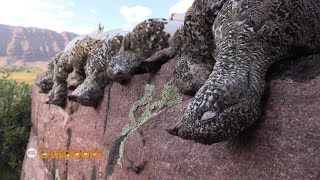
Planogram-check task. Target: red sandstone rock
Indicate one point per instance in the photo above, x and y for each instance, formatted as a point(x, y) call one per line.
point(285, 144)
point(31, 44)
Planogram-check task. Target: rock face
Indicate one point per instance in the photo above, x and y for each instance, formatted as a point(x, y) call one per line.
point(31, 43)
point(128, 127)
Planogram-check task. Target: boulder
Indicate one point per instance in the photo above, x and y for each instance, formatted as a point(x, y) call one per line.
point(128, 127)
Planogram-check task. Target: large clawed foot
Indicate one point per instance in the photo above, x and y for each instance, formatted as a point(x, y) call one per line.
point(121, 66)
point(218, 114)
point(45, 84)
point(57, 101)
point(205, 132)
point(125, 64)
point(87, 94)
point(73, 98)
point(174, 129)
point(42, 91)
point(74, 80)
point(57, 96)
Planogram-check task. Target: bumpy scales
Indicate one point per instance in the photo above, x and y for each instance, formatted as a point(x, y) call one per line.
point(146, 39)
point(249, 36)
point(83, 62)
point(46, 83)
point(91, 90)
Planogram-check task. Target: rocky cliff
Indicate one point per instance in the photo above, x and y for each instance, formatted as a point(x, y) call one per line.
point(128, 128)
point(30, 44)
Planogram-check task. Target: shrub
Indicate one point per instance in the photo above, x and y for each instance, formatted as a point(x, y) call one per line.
point(15, 111)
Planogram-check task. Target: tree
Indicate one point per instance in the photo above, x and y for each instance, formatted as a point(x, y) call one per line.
point(15, 111)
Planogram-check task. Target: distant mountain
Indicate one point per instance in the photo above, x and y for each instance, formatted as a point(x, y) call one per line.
point(31, 44)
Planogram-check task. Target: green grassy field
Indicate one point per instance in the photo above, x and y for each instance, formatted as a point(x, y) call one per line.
point(23, 75)
point(27, 77)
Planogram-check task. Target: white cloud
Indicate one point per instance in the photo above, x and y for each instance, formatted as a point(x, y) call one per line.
point(181, 6)
point(93, 12)
point(71, 3)
point(45, 14)
point(66, 14)
point(134, 15)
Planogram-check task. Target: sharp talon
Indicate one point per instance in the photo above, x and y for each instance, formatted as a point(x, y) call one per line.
point(48, 102)
point(72, 87)
point(174, 130)
point(72, 98)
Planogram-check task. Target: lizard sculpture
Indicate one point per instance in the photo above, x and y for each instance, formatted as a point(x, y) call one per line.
point(243, 38)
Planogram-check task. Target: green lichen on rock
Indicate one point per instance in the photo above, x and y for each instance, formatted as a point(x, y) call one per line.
point(169, 97)
point(121, 150)
point(142, 102)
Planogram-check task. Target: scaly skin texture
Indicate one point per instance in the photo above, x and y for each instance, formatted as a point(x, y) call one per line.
point(80, 54)
point(177, 41)
point(164, 55)
point(61, 70)
point(147, 38)
point(250, 35)
point(46, 83)
point(73, 59)
point(196, 60)
point(91, 90)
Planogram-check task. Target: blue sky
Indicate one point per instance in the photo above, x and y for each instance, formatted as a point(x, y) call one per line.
point(83, 16)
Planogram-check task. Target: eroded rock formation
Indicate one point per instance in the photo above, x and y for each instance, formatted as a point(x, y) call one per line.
point(228, 39)
point(128, 124)
point(128, 127)
point(30, 43)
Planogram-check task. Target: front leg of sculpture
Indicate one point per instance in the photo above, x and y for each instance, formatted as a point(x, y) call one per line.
point(59, 91)
point(79, 59)
point(247, 45)
point(73, 58)
point(196, 60)
point(46, 83)
point(228, 102)
point(90, 92)
point(155, 61)
point(75, 79)
point(57, 95)
point(146, 39)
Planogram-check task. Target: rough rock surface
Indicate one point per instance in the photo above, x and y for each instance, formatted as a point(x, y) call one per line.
point(284, 144)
